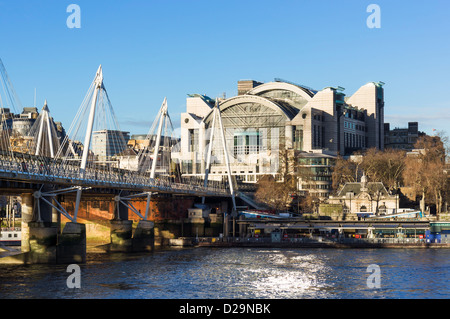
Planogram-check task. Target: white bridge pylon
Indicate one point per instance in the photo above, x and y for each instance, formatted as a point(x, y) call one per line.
point(8, 100)
point(45, 140)
point(79, 155)
point(72, 155)
point(98, 85)
point(148, 157)
point(217, 119)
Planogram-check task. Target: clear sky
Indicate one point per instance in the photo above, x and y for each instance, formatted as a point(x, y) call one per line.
point(155, 49)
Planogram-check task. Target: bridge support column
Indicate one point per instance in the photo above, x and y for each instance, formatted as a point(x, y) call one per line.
point(121, 235)
point(144, 236)
point(72, 244)
point(56, 216)
point(226, 227)
point(121, 211)
point(39, 235)
point(242, 227)
point(27, 216)
point(42, 243)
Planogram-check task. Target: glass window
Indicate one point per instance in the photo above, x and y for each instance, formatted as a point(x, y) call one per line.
point(193, 140)
point(298, 138)
point(286, 96)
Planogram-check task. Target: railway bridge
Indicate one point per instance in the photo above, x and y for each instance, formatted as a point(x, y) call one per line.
point(43, 167)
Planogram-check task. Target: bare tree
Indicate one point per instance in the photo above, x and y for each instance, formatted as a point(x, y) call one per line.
point(292, 173)
point(276, 194)
point(445, 143)
point(425, 171)
point(344, 171)
point(384, 166)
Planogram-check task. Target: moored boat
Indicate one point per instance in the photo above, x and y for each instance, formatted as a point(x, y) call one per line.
point(10, 236)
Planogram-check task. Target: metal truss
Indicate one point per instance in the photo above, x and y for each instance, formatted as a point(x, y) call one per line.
point(38, 195)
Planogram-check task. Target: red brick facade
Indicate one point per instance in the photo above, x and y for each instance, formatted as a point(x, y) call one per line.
point(99, 208)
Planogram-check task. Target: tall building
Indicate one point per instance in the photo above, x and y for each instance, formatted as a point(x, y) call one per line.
point(265, 120)
point(23, 122)
point(141, 147)
point(107, 143)
point(402, 138)
point(21, 129)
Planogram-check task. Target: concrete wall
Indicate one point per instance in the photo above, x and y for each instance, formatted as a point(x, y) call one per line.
point(366, 97)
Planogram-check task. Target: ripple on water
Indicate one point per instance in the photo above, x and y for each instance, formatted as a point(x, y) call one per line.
point(239, 273)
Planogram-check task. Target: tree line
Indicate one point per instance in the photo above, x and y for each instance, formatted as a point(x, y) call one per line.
point(425, 171)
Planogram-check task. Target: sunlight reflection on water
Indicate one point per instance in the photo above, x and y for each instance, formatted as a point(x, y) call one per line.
point(239, 273)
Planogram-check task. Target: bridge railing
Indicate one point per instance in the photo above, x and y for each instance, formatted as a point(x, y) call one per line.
point(38, 171)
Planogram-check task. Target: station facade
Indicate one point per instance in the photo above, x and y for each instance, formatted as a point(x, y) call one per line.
point(269, 124)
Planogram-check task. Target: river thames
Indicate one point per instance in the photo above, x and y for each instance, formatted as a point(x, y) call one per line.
point(240, 273)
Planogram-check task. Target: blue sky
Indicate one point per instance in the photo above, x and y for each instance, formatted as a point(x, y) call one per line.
point(155, 49)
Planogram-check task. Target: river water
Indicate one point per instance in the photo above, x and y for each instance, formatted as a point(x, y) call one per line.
point(238, 273)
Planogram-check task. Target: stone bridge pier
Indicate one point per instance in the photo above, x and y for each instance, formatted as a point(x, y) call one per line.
point(122, 237)
point(43, 241)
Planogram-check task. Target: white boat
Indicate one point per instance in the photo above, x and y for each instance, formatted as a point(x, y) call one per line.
point(10, 236)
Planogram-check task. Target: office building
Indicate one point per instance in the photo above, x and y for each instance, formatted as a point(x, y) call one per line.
point(402, 138)
point(107, 143)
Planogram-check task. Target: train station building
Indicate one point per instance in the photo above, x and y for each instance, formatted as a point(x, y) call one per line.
point(269, 122)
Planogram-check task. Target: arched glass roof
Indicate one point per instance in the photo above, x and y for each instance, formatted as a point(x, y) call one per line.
point(284, 93)
point(247, 108)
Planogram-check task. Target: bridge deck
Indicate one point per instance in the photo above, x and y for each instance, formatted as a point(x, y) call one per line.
point(14, 170)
